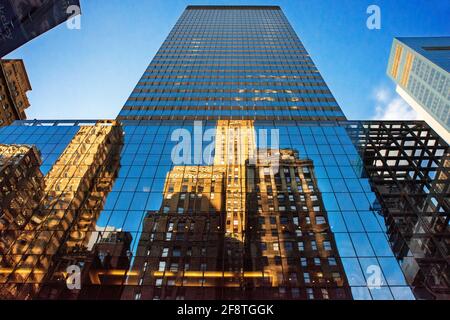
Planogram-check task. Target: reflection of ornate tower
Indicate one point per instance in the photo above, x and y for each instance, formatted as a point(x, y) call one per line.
point(290, 239)
point(22, 188)
point(199, 245)
point(180, 250)
point(193, 246)
point(75, 189)
point(235, 147)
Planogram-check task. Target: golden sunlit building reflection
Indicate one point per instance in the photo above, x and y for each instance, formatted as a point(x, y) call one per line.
point(72, 198)
point(240, 228)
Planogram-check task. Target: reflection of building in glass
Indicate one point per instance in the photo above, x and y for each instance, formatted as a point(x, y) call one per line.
point(73, 196)
point(183, 240)
point(420, 67)
point(22, 188)
point(209, 238)
point(408, 166)
point(103, 269)
point(14, 85)
point(290, 236)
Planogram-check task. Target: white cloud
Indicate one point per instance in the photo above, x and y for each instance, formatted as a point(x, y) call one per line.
point(390, 106)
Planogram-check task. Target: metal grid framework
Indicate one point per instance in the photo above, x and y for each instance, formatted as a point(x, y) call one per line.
point(408, 166)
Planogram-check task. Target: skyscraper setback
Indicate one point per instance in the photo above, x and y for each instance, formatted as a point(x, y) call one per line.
point(239, 177)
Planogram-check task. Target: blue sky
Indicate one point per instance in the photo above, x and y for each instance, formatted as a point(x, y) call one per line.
point(89, 73)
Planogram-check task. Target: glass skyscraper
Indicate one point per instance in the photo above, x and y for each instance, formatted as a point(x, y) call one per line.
point(232, 63)
point(230, 173)
point(421, 69)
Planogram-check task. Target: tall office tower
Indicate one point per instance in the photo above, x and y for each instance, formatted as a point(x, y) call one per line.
point(232, 63)
point(14, 85)
point(421, 69)
point(408, 165)
point(24, 20)
point(231, 129)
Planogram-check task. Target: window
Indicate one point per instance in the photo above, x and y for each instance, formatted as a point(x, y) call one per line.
point(277, 260)
point(162, 266)
point(288, 246)
point(165, 252)
point(320, 220)
point(325, 294)
point(332, 261)
point(303, 262)
point(306, 277)
point(176, 252)
point(310, 293)
point(336, 277)
point(327, 245)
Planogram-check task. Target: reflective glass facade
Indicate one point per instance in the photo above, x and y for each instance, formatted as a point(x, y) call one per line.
point(341, 253)
point(227, 176)
point(232, 63)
